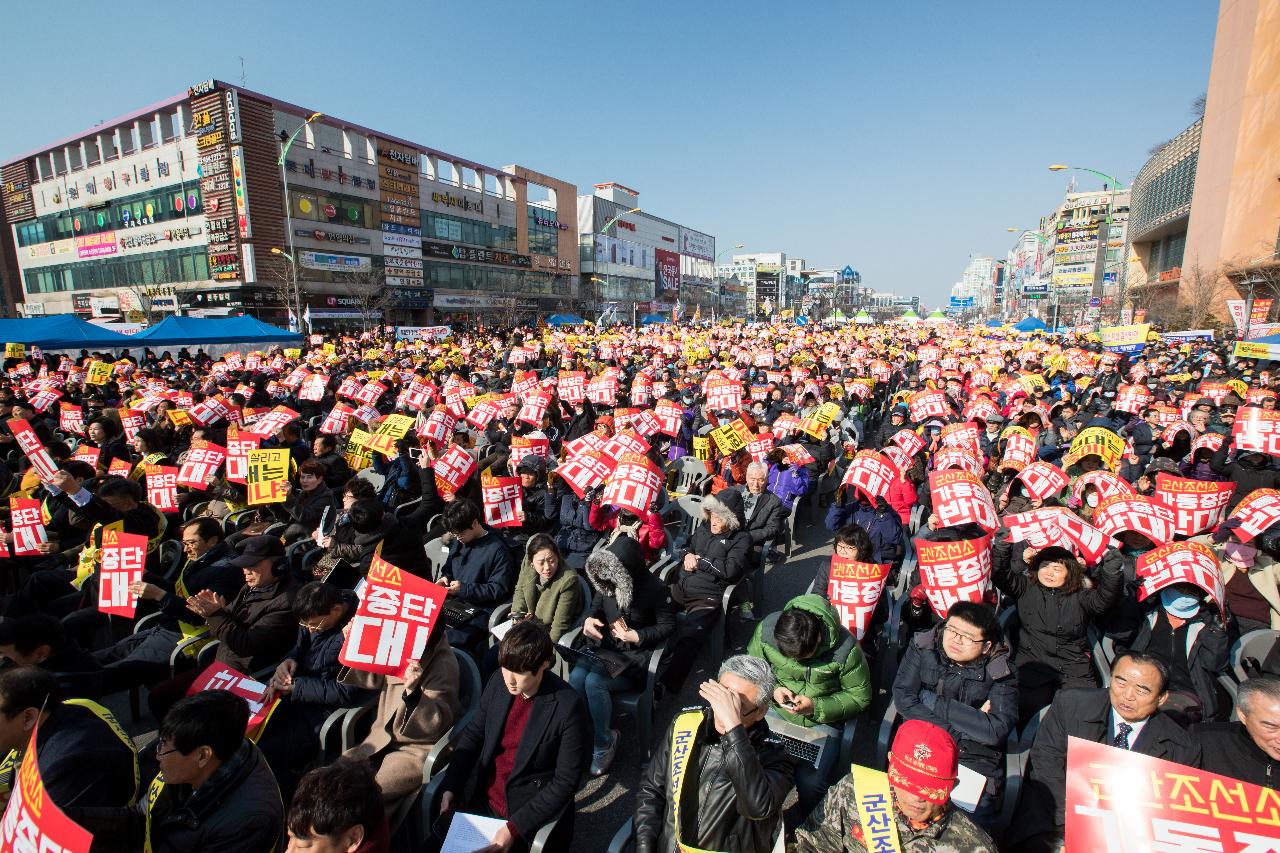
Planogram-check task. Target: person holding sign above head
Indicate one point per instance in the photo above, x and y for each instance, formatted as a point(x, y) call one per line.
point(822, 679)
point(959, 677)
point(738, 772)
point(214, 790)
point(913, 803)
point(1185, 630)
point(1125, 715)
point(526, 748)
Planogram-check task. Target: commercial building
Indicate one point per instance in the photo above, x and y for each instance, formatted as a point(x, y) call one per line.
point(1159, 213)
point(1086, 233)
point(1027, 276)
point(763, 274)
point(223, 200)
point(634, 263)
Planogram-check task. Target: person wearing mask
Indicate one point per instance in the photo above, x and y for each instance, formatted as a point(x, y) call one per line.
point(85, 758)
point(478, 574)
point(822, 678)
point(1186, 632)
point(254, 630)
point(743, 775)
point(851, 542)
point(143, 657)
point(717, 557)
point(1248, 750)
point(959, 677)
point(525, 747)
point(1054, 610)
point(306, 682)
point(214, 790)
point(308, 501)
point(412, 713)
point(338, 809)
point(630, 615)
point(1251, 580)
point(1125, 715)
point(923, 770)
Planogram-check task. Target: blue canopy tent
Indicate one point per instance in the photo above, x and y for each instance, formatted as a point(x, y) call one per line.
point(993, 323)
point(62, 332)
point(653, 318)
point(193, 332)
point(1030, 324)
point(565, 320)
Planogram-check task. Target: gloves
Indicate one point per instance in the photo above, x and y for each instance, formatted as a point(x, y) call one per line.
point(918, 598)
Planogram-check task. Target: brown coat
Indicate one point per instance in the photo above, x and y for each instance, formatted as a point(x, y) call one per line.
point(410, 718)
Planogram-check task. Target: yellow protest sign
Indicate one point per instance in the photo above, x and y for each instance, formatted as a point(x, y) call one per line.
point(293, 352)
point(329, 349)
point(99, 373)
point(15, 350)
point(702, 448)
point(1096, 441)
point(268, 478)
point(732, 437)
point(180, 418)
point(358, 455)
point(827, 414)
point(396, 426)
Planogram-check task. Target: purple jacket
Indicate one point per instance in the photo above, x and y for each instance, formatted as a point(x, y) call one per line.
point(788, 484)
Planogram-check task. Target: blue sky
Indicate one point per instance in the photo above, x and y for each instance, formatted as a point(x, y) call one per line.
point(899, 138)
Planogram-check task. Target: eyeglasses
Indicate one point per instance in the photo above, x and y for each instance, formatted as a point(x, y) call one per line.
point(315, 626)
point(956, 635)
point(161, 752)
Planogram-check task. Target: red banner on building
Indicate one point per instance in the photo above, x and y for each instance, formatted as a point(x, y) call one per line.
point(853, 589)
point(1256, 513)
point(503, 501)
point(1120, 800)
point(1180, 562)
point(954, 571)
point(1257, 430)
point(219, 676)
point(959, 497)
point(1138, 514)
point(1197, 505)
point(633, 485)
point(32, 821)
point(124, 556)
point(27, 523)
point(453, 468)
point(395, 618)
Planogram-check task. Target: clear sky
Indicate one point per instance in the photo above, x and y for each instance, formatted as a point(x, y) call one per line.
point(896, 137)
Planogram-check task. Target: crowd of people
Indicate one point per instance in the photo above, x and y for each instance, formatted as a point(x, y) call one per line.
point(599, 507)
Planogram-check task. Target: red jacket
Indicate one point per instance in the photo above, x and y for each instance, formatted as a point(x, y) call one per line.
point(652, 535)
point(902, 497)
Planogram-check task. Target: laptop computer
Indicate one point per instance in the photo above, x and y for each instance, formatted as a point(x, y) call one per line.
point(803, 743)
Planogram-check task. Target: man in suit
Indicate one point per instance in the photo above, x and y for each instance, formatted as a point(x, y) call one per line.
point(1125, 715)
point(528, 745)
point(765, 514)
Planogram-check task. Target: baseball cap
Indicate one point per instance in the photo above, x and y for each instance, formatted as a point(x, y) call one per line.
point(924, 760)
point(255, 549)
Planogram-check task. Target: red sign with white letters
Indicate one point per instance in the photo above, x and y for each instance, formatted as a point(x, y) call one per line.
point(124, 556)
point(503, 501)
point(853, 589)
point(954, 571)
point(396, 616)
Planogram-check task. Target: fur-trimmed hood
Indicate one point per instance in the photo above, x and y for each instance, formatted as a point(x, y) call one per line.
point(728, 506)
point(608, 575)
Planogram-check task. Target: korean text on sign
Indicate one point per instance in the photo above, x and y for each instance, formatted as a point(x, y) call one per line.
point(394, 621)
point(268, 478)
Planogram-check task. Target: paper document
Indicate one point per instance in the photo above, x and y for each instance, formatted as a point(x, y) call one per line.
point(471, 832)
point(969, 789)
point(500, 630)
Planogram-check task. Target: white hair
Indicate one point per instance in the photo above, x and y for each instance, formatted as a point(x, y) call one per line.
point(1262, 685)
point(757, 468)
point(755, 670)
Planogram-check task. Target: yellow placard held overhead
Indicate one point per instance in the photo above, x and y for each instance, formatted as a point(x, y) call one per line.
point(1096, 441)
point(99, 373)
point(268, 478)
point(15, 350)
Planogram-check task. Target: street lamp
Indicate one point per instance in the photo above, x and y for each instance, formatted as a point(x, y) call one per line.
point(604, 232)
point(1100, 259)
point(286, 142)
point(295, 292)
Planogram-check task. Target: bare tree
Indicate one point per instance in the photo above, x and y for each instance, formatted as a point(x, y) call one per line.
point(281, 280)
point(1198, 105)
point(145, 297)
point(372, 297)
point(1201, 294)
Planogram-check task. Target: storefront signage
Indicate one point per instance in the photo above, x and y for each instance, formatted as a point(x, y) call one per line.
point(460, 202)
point(330, 236)
point(397, 156)
point(222, 185)
point(1171, 275)
point(203, 88)
point(341, 263)
point(49, 250)
point(326, 174)
point(695, 244)
point(210, 139)
point(233, 116)
point(402, 240)
point(546, 262)
point(622, 223)
point(551, 223)
point(240, 192)
point(455, 252)
point(15, 184)
point(96, 245)
point(403, 251)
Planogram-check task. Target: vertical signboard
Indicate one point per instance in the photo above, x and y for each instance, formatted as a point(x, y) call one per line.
point(15, 181)
point(401, 214)
point(667, 274)
point(208, 106)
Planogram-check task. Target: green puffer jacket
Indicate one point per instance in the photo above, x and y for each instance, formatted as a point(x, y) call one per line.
point(557, 604)
point(835, 678)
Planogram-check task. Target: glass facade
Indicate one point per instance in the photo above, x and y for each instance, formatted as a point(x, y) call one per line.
point(169, 267)
point(471, 232)
point(544, 236)
point(334, 208)
point(451, 276)
point(147, 208)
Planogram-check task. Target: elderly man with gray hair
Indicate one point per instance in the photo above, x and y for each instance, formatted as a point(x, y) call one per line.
point(719, 777)
point(765, 514)
point(1250, 749)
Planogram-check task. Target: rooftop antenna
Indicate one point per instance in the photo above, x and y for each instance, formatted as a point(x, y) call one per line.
point(242, 75)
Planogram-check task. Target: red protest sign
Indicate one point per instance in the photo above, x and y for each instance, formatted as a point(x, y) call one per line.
point(503, 500)
point(395, 618)
point(571, 386)
point(760, 446)
point(1132, 398)
point(957, 457)
point(29, 444)
point(522, 446)
point(27, 523)
point(370, 393)
point(453, 468)
point(853, 589)
point(119, 468)
point(162, 487)
point(588, 442)
point(1107, 484)
point(959, 497)
point(1197, 505)
point(124, 556)
point(633, 485)
point(1048, 526)
point(870, 473)
point(88, 454)
point(603, 391)
point(908, 441)
point(928, 404)
point(349, 388)
point(534, 406)
point(980, 409)
point(586, 471)
point(723, 393)
point(797, 454)
point(1119, 800)
point(274, 421)
point(238, 446)
point(335, 423)
point(439, 426)
point(1256, 513)
point(964, 436)
point(1180, 562)
point(623, 443)
point(669, 415)
point(200, 464)
point(219, 676)
point(1136, 514)
point(71, 418)
point(32, 820)
point(1019, 451)
point(484, 412)
point(954, 571)
point(1043, 480)
point(1257, 430)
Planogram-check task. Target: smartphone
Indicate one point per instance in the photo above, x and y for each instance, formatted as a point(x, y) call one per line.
point(416, 452)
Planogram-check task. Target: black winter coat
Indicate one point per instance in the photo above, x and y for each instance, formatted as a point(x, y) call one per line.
point(1052, 640)
point(739, 782)
point(315, 681)
point(1206, 650)
point(722, 560)
point(648, 610)
point(212, 571)
point(930, 687)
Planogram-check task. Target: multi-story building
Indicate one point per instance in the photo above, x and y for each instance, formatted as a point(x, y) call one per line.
point(1086, 233)
point(1026, 290)
point(764, 276)
point(224, 200)
point(1159, 212)
point(634, 263)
